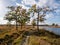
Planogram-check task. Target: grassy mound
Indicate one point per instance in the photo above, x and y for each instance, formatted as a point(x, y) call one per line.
point(31, 37)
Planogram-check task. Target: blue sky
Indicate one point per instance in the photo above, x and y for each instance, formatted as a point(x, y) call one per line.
point(51, 18)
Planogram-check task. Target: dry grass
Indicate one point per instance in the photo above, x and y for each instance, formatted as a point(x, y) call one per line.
point(44, 37)
point(12, 29)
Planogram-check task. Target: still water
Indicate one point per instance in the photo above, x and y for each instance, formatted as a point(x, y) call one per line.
point(55, 30)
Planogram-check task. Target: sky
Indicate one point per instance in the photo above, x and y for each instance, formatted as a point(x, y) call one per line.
point(53, 17)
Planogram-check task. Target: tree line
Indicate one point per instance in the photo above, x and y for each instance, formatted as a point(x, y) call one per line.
point(21, 16)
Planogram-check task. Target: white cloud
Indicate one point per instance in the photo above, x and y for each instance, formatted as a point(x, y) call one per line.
point(2, 21)
point(53, 4)
point(49, 16)
point(1, 4)
point(56, 5)
point(23, 6)
point(57, 11)
point(28, 2)
point(2, 7)
point(2, 11)
point(40, 3)
point(13, 0)
point(32, 2)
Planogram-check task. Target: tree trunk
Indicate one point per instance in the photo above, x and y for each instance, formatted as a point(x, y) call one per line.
point(16, 26)
point(21, 25)
point(38, 22)
point(33, 15)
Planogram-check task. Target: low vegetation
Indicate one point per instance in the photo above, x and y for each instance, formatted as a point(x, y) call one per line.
point(30, 37)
